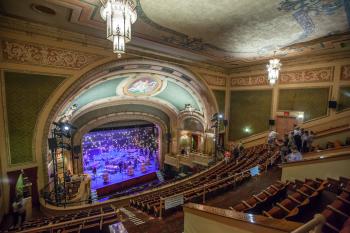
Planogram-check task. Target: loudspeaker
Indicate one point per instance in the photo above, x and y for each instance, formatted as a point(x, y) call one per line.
point(76, 149)
point(332, 104)
point(271, 122)
point(52, 143)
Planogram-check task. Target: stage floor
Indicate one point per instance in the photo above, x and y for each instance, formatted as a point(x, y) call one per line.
point(97, 181)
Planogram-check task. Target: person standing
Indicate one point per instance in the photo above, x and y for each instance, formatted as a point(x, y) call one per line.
point(304, 139)
point(310, 140)
point(19, 211)
point(284, 148)
point(297, 138)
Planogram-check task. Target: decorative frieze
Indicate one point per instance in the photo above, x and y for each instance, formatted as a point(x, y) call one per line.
point(215, 80)
point(324, 74)
point(37, 54)
point(345, 73)
point(252, 80)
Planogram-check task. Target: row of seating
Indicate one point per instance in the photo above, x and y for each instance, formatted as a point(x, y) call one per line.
point(262, 200)
point(303, 200)
point(214, 181)
point(337, 214)
point(305, 194)
point(72, 222)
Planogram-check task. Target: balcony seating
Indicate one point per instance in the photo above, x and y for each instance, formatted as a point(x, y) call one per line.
point(72, 222)
point(338, 212)
point(215, 181)
point(293, 206)
point(258, 202)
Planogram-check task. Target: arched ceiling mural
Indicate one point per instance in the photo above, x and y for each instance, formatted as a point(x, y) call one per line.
point(227, 33)
point(146, 87)
point(95, 114)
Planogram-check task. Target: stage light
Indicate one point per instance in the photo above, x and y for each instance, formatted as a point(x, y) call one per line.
point(66, 127)
point(221, 116)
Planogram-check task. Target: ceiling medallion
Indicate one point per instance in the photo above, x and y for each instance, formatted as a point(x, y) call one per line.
point(119, 15)
point(273, 69)
point(144, 85)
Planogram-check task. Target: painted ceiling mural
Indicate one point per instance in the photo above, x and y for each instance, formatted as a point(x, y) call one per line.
point(142, 86)
point(227, 32)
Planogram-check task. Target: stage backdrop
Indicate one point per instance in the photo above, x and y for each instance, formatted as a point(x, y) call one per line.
point(111, 156)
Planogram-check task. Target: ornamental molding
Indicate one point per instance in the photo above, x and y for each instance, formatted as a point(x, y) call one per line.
point(214, 80)
point(251, 80)
point(345, 73)
point(36, 54)
point(324, 74)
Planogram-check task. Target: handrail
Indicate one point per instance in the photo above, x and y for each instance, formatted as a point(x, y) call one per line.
point(314, 224)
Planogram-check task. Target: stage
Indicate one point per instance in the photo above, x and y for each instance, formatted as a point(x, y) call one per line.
point(120, 185)
point(119, 159)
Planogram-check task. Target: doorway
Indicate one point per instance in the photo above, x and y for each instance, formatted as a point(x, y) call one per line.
point(284, 124)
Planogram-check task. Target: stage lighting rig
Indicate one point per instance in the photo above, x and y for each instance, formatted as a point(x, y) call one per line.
point(218, 121)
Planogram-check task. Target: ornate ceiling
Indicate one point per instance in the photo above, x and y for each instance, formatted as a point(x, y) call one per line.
point(152, 88)
point(227, 33)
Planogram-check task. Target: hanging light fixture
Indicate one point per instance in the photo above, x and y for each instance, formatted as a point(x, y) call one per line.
point(273, 69)
point(119, 15)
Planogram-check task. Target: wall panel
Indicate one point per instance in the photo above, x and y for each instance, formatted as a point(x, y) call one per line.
point(312, 101)
point(220, 99)
point(344, 98)
point(250, 109)
point(25, 96)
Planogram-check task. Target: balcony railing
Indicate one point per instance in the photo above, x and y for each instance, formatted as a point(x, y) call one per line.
point(190, 160)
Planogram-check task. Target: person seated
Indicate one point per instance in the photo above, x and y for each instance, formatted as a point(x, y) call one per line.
point(295, 155)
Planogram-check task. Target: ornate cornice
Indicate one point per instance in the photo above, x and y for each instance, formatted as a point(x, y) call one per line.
point(214, 80)
point(345, 73)
point(251, 80)
point(16, 51)
point(324, 74)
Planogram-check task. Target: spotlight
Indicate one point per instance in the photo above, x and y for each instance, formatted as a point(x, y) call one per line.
point(221, 116)
point(66, 127)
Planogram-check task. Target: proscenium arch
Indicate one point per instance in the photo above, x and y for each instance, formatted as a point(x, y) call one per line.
point(198, 88)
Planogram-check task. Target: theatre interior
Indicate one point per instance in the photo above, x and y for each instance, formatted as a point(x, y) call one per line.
point(175, 116)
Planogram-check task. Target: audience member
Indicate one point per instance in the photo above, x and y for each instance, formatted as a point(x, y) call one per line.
point(297, 138)
point(271, 140)
point(284, 147)
point(295, 155)
point(304, 139)
point(19, 211)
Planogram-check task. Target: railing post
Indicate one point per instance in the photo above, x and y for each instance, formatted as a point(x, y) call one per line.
point(203, 193)
point(160, 207)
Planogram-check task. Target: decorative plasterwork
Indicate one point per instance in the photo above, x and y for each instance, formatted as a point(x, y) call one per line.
point(214, 80)
point(324, 74)
point(345, 73)
point(37, 54)
point(252, 80)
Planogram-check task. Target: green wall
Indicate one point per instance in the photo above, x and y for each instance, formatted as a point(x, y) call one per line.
point(344, 98)
point(25, 96)
point(312, 101)
point(220, 99)
point(250, 109)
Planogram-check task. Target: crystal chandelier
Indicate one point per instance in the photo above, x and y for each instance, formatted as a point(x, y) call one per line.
point(119, 15)
point(273, 69)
